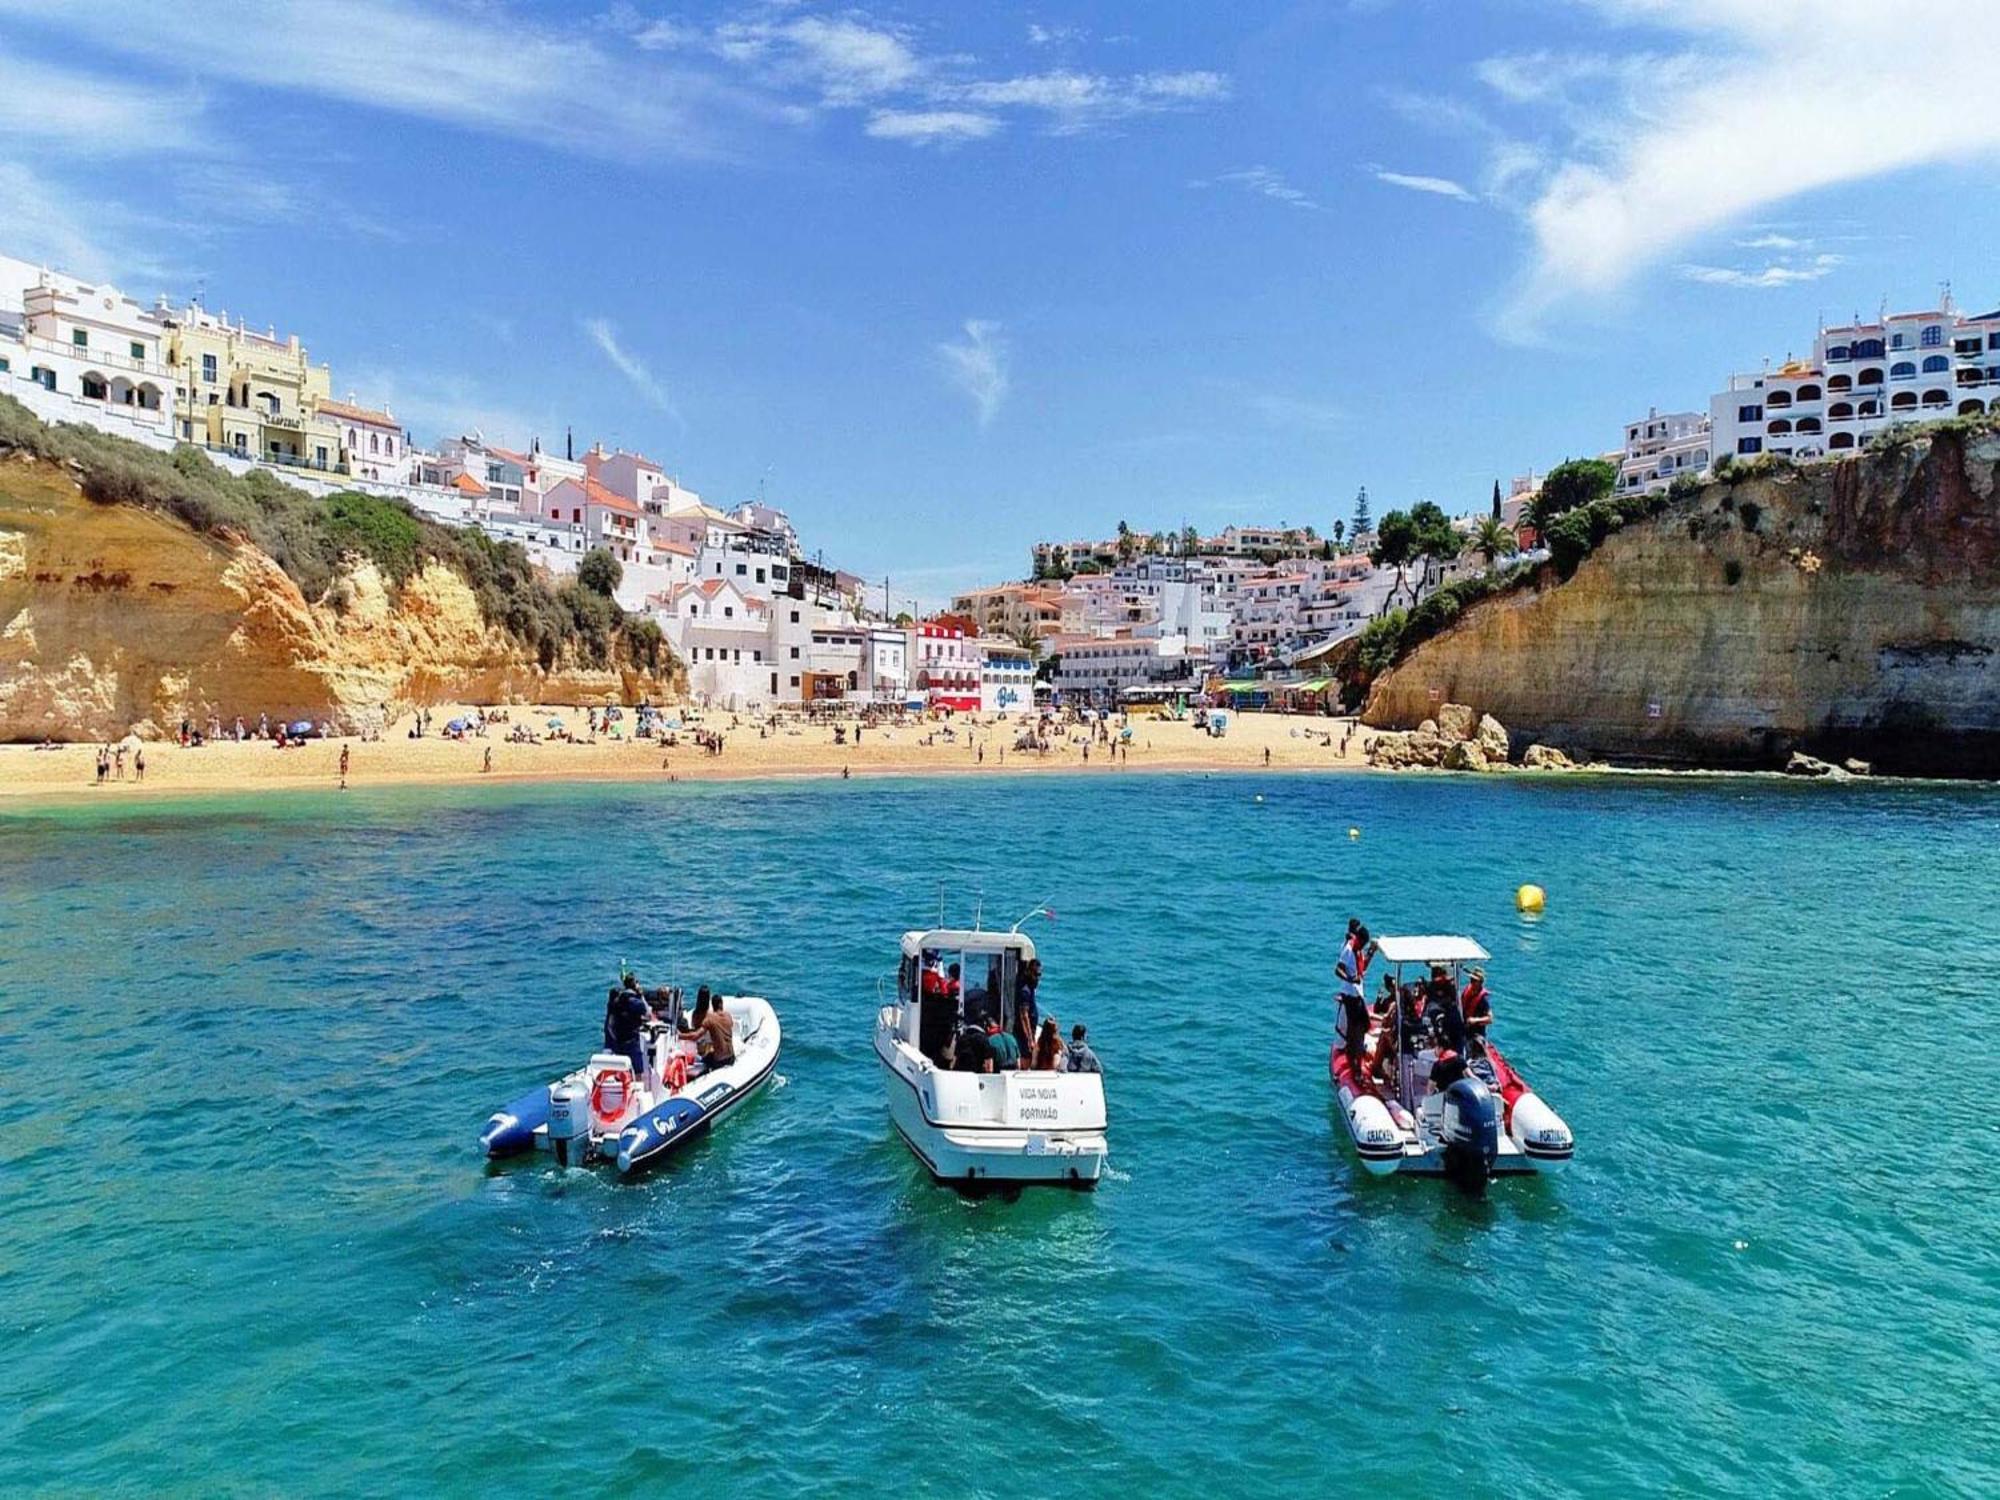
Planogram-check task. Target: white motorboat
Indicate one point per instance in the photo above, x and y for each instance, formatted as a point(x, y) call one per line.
point(604, 1111)
point(1402, 1117)
point(1014, 1127)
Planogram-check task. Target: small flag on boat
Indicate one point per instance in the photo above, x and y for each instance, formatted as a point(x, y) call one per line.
point(1049, 912)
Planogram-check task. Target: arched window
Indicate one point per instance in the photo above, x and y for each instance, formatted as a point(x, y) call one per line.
point(1841, 440)
point(95, 387)
point(1777, 398)
point(389, 446)
point(1902, 369)
point(1903, 401)
point(1868, 409)
point(1781, 427)
point(1868, 349)
point(1840, 411)
point(1838, 354)
point(1969, 408)
point(1840, 383)
point(374, 442)
point(1935, 397)
point(1870, 376)
point(353, 440)
point(1808, 393)
point(1808, 424)
point(1936, 364)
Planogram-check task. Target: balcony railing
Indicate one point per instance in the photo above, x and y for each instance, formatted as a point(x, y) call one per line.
point(102, 358)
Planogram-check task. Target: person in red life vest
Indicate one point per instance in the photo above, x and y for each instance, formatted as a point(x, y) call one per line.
point(1477, 1004)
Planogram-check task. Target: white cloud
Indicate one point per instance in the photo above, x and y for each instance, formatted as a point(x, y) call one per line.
point(1078, 101)
point(47, 226)
point(1054, 36)
point(978, 367)
point(1442, 187)
point(927, 127)
point(1777, 274)
point(1263, 181)
point(1767, 100)
point(471, 67)
point(630, 366)
point(847, 60)
point(87, 114)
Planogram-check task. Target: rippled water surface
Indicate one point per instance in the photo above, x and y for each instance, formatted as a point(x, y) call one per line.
point(247, 1245)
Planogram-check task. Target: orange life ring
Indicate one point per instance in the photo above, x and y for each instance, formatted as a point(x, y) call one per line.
point(627, 1084)
point(676, 1075)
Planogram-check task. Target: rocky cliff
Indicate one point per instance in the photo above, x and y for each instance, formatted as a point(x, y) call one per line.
point(1844, 609)
point(117, 618)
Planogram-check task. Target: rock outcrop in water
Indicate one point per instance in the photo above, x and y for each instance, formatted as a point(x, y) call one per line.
point(1846, 609)
point(117, 618)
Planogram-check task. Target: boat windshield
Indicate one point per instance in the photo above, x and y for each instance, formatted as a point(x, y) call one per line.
point(980, 980)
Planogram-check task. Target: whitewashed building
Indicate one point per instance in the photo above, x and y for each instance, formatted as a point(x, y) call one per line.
point(1095, 669)
point(947, 668)
point(71, 351)
point(1660, 447)
point(1861, 378)
point(1006, 676)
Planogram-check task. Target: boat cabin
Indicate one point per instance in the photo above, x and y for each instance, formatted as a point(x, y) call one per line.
point(959, 970)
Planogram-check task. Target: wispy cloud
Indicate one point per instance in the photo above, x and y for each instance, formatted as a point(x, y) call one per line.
point(1777, 274)
point(1666, 148)
point(851, 60)
point(473, 67)
point(979, 367)
point(640, 378)
point(930, 127)
point(1263, 181)
point(1442, 187)
point(92, 115)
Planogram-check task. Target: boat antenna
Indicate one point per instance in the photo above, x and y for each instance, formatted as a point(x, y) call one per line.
point(940, 903)
point(978, 910)
point(1041, 910)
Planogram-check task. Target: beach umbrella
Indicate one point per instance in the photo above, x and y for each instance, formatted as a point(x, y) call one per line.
point(458, 725)
point(554, 722)
point(302, 726)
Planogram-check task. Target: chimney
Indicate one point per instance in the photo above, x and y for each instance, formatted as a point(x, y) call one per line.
point(569, 444)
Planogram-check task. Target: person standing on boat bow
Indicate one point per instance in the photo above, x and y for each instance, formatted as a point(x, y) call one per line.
point(1350, 970)
point(625, 1016)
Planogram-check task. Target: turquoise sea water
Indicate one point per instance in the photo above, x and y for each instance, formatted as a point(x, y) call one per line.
point(247, 1245)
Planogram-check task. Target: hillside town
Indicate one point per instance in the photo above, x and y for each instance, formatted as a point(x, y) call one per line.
point(1253, 614)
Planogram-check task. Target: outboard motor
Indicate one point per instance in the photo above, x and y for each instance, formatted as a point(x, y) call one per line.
point(1470, 1129)
point(569, 1122)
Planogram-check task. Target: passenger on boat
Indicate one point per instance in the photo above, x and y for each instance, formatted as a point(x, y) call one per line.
point(1048, 1053)
point(1477, 1005)
point(973, 1052)
point(937, 1016)
point(1447, 1070)
point(1441, 1010)
point(1027, 1010)
point(1078, 1055)
point(625, 1016)
point(982, 1003)
point(713, 1035)
point(1350, 1027)
point(1001, 1044)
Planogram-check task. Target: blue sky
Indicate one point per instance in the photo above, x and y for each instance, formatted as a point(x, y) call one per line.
point(946, 278)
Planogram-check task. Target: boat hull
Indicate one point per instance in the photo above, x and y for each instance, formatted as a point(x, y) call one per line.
point(1389, 1140)
point(974, 1154)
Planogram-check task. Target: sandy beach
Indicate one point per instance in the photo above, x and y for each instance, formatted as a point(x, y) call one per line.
point(789, 749)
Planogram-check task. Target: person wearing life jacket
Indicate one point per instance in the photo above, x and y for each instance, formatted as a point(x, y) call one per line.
point(1447, 1070)
point(1477, 1005)
point(1442, 1014)
point(1350, 1027)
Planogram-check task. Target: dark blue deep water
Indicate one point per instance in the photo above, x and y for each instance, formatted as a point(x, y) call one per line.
point(247, 1245)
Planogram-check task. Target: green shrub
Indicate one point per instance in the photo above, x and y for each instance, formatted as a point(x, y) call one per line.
point(600, 572)
point(307, 536)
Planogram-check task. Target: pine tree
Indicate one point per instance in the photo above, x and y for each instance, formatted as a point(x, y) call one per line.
point(1363, 524)
point(1496, 499)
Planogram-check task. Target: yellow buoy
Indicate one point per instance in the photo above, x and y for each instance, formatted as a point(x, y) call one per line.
point(1531, 898)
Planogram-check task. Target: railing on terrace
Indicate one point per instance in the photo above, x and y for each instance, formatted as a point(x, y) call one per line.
point(106, 358)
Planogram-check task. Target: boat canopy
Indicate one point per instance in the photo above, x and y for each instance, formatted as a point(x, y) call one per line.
point(959, 939)
point(1435, 949)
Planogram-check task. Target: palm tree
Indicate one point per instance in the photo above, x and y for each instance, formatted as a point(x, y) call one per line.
point(1126, 545)
point(1024, 636)
point(1339, 531)
point(1492, 540)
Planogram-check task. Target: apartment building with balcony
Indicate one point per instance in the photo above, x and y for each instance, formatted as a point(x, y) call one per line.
point(1013, 609)
point(1661, 447)
point(74, 351)
point(251, 394)
point(1861, 378)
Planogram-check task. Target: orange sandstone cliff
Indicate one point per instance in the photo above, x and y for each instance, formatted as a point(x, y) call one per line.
point(115, 618)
